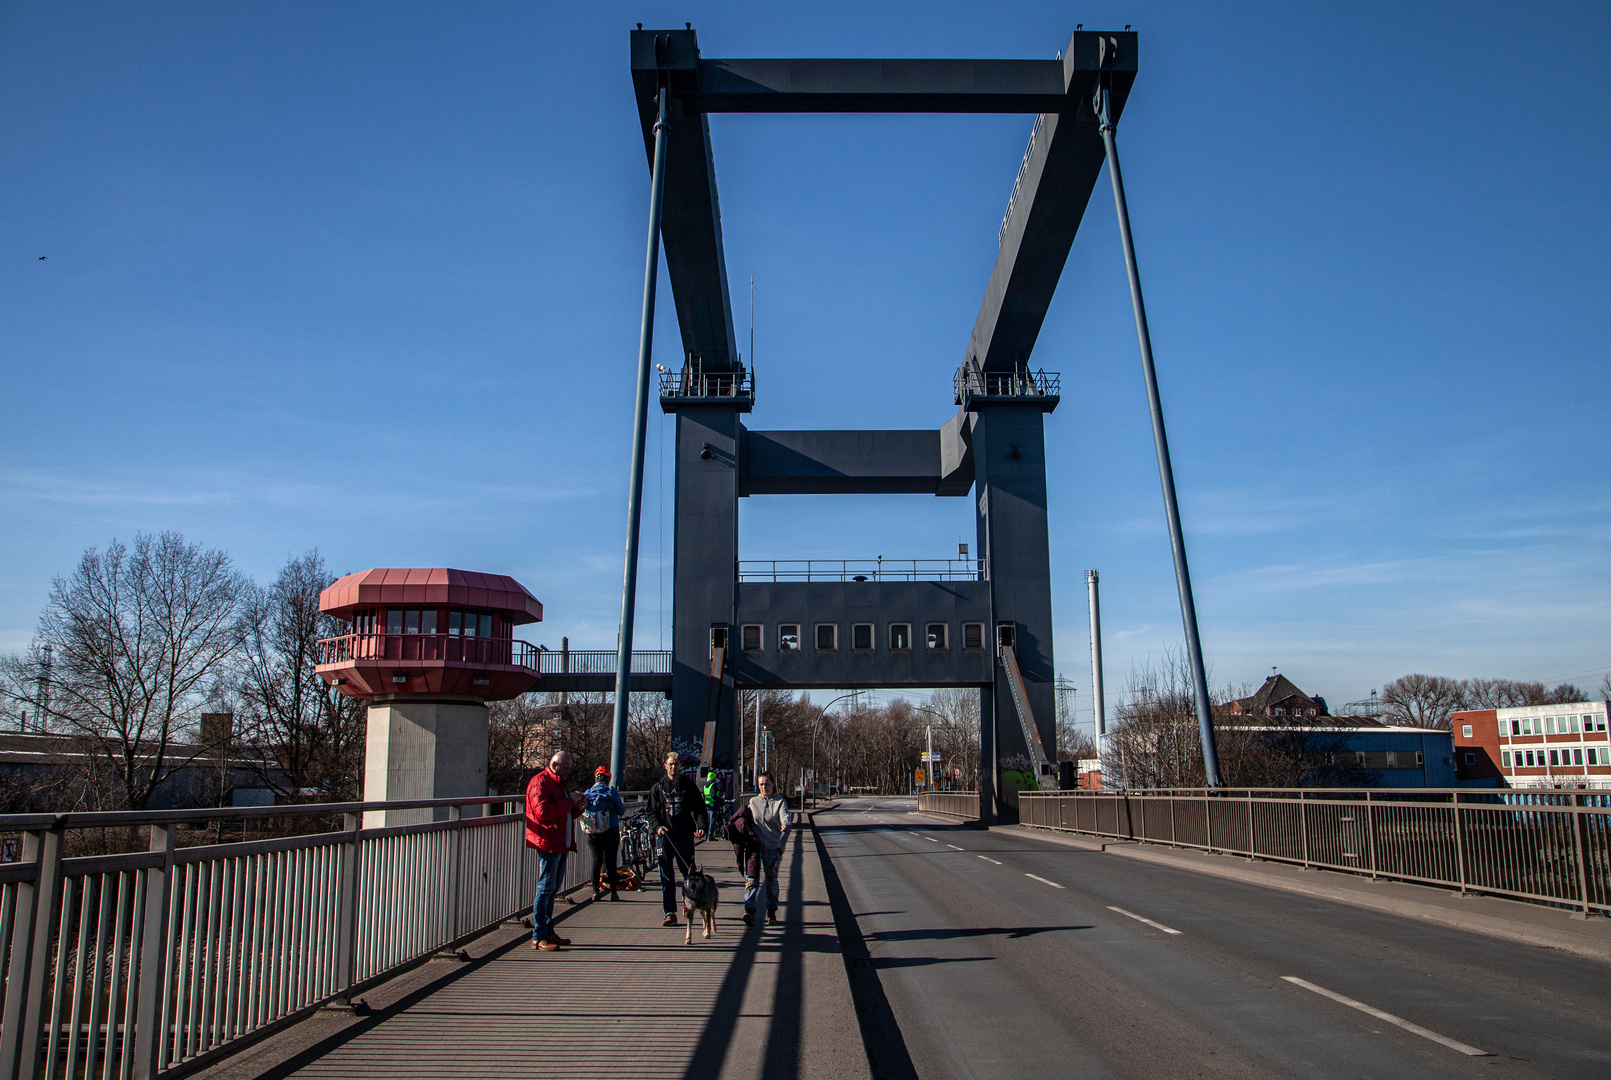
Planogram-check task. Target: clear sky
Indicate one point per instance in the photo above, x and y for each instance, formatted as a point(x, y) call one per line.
point(366, 277)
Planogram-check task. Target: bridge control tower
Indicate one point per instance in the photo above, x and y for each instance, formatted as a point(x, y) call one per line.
point(985, 623)
point(428, 649)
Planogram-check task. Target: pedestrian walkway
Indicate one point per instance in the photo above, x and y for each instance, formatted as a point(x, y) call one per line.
point(627, 998)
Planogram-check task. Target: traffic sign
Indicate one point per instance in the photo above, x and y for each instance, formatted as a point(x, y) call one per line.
point(920, 776)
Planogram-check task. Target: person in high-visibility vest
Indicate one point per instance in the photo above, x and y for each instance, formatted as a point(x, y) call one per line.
point(712, 791)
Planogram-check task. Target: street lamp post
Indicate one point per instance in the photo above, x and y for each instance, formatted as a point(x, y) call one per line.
point(820, 717)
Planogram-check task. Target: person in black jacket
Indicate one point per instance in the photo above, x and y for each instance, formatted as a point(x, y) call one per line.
point(677, 814)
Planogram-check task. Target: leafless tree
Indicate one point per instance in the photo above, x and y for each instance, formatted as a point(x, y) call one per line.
point(1510, 693)
point(307, 735)
point(1423, 701)
point(137, 636)
point(517, 737)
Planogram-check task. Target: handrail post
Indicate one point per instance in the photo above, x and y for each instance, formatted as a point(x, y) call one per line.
point(1303, 825)
point(25, 983)
point(1252, 837)
point(455, 851)
point(153, 974)
point(1370, 830)
point(1577, 845)
point(347, 917)
point(1460, 843)
point(1208, 824)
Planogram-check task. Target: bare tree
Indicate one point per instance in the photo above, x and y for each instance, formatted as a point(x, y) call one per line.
point(518, 734)
point(137, 636)
point(308, 736)
point(1423, 701)
point(1509, 694)
point(956, 735)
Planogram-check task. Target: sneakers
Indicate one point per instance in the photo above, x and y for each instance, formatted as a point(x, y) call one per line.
point(749, 918)
point(772, 915)
point(670, 919)
point(546, 945)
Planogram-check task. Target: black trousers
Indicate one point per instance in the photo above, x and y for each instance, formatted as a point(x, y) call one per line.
point(604, 846)
point(669, 865)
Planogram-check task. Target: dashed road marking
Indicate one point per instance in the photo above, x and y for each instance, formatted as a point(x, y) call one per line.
point(930, 839)
point(1144, 919)
point(1043, 881)
point(953, 847)
point(1417, 1029)
point(988, 859)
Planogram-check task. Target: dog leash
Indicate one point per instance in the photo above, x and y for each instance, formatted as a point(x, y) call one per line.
point(665, 842)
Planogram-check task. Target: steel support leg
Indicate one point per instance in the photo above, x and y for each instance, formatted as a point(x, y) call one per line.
point(640, 431)
point(1177, 542)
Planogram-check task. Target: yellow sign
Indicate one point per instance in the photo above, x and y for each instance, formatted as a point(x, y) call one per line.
point(920, 776)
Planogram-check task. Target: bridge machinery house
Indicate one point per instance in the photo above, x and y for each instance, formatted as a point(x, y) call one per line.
point(1549, 746)
point(983, 622)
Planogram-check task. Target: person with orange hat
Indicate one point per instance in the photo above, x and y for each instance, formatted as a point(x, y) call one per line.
point(601, 821)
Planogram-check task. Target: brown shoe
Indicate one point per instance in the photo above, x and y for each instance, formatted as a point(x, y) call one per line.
point(547, 945)
point(557, 940)
point(670, 919)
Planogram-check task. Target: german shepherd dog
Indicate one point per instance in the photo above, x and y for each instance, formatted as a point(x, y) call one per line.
point(699, 894)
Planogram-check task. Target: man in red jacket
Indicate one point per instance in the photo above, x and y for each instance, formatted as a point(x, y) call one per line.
point(549, 808)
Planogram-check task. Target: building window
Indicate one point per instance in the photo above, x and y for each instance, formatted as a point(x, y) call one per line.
point(1504, 758)
point(861, 636)
point(1420, 759)
point(789, 637)
point(827, 636)
point(1392, 759)
point(1465, 731)
point(1471, 759)
point(900, 637)
point(1554, 757)
point(934, 634)
point(750, 637)
point(1515, 727)
point(1572, 723)
point(1530, 764)
point(973, 635)
point(1577, 756)
point(1361, 755)
point(1594, 757)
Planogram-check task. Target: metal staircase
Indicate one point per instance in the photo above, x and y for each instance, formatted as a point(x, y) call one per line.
point(1045, 768)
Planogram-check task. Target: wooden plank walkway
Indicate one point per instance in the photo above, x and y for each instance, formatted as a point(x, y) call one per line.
point(628, 998)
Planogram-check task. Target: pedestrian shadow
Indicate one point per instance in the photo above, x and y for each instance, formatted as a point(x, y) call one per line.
point(945, 933)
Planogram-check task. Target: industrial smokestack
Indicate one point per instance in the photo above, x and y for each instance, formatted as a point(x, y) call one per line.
point(1096, 660)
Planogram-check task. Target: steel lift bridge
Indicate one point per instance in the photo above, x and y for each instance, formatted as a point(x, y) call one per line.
point(983, 623)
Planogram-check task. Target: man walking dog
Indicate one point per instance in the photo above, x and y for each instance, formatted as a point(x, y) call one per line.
point(678, 816)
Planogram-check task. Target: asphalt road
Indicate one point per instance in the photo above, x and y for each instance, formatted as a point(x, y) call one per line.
point(991, 955)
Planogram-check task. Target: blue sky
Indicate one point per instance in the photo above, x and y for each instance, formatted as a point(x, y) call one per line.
point(366, 277)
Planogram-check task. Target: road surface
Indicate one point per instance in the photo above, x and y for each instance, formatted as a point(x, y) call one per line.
point(987, 954)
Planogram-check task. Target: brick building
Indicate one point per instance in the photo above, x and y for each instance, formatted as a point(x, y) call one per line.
point(1535, 745)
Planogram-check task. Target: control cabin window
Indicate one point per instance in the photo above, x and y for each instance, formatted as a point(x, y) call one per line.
point(751, 637)
point(363, 622)
point(827, 636)
point(788, 637)
point(934, 635)
point(470, 624)
point(973, 635)
point(861, 636)
point(900, 637)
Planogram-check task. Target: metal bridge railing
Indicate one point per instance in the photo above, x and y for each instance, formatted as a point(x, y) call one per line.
point(598, 662)
point(957, 804)
point(694, 383)
point(1023, 383)
point(861, 570)
point(1550, 847)
point(449, 647)
point(135, 965)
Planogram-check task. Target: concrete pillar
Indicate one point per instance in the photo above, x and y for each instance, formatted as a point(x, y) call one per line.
point(423, 749)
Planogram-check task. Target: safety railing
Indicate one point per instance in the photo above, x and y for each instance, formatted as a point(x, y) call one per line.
point(861, 570)
point(693, 382)
point(957, 804)
point(1018, 182)
point(1550, 847)
point(349, 648)
point(970, 381)
point(597, 662)
point(135, 965)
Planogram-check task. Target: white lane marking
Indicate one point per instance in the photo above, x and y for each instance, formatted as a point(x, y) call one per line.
point(953, 847)
point(1441, 1040)
point(930, 839)
point(988, 859)
point(1043, 881)
point(1143, 919)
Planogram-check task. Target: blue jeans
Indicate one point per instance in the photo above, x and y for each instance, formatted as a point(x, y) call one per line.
point(550, 875)
point(768, 871)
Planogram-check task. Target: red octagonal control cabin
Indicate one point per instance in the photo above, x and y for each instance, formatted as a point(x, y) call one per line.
point(437, 632)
